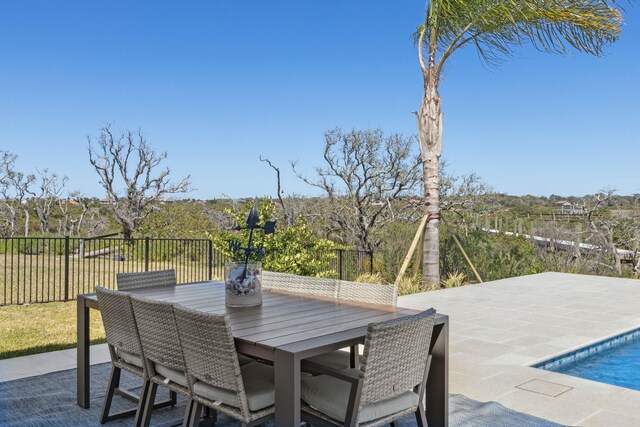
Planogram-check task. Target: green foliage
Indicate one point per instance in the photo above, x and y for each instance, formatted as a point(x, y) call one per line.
point(411, 285)
point(176, 220)
point(370, 278)
point(495, 256)
point(395, 241)
point(454, 279)
point(294, 249)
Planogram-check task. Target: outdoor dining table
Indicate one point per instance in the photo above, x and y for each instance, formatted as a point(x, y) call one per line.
point(286, 329)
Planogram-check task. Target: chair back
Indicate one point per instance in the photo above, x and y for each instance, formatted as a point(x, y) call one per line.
point(300, 284)
point(145, 279)
point(210, 351)
point(158, 333)
point(395, 357)
point(368, 293)
point(119, 321)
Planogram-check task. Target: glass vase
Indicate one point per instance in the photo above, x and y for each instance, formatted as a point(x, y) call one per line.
point(243, 283)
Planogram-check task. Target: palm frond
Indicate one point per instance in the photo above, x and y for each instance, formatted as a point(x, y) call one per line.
point(496, 27)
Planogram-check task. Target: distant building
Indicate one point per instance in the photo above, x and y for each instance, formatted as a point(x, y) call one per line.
point(564, 207)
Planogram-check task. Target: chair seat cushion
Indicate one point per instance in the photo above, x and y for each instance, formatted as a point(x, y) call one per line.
point(338, 359)
point(258, 384)
point(174, 375)
point(331, 396)
point(131, 358)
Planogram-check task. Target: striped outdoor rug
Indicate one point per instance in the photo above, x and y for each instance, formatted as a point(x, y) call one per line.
point(50, 400)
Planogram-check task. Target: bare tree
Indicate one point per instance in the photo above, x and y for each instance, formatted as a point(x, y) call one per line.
point(84, 205)
point(14, 188)
point(600, 244)
point(7, 164)
point(558, 254)
point(460, 193)
point(70, 223)
point(287, 214)
point(602, 226)
point(366, 176)
point(50, 189)
point(129, 160)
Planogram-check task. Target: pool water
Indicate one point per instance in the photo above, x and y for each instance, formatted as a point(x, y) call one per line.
point(618, 365)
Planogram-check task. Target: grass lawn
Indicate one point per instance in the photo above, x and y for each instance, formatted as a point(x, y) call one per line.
point(37, 328)
point(34, 279)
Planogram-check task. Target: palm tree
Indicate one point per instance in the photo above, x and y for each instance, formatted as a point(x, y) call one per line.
point(494, 28)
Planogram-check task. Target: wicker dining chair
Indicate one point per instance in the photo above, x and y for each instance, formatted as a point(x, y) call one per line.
point(389, 384)
point(125, 350)
point(161, 350)
point(299, 284)
point(215, 377)
point(145, 279)
point(370, 293)
point(358, 292)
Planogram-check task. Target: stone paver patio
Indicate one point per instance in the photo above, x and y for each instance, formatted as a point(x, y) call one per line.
point(500, 328)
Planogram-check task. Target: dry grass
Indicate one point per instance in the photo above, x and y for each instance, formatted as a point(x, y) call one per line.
point(370, 278)
point(31, 279)
point(37, 328)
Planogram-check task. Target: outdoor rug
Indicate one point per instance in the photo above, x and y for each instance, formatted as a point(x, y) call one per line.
point(50, 400)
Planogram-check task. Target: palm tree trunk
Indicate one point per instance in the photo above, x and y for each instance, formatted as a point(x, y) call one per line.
point(430, 138)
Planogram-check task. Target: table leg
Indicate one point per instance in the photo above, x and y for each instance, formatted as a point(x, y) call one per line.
point(83, 354)
point(437, 390)
point(287, 379)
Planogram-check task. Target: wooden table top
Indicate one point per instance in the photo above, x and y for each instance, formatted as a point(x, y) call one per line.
point(295, 322)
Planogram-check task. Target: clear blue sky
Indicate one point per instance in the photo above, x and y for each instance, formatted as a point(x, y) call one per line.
point(216, 84)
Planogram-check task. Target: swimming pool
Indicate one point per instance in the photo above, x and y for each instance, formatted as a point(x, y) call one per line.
point(613, 361)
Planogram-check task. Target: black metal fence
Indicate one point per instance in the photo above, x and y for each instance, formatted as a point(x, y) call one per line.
point(349, 264)
point(45, 269)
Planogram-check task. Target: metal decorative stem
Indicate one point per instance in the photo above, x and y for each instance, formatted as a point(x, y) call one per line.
point(243, 284)
point(253, 223)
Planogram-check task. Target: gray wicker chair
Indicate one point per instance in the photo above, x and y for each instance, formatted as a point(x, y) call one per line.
point(389, 384)
point(161, 350)
point(368, 293)
point(216, 378)
point(125, 350)
point(145, 279)
point(361, 292)
point(299, 284)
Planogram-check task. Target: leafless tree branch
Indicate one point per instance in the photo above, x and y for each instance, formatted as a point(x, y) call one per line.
point(130, 160)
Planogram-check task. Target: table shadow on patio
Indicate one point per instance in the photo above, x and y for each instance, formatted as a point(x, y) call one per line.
point(50, 400)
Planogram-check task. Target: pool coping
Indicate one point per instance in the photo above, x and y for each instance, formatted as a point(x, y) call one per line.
point(581, 351)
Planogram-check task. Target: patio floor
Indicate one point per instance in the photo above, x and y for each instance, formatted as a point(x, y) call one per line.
point(497, 330)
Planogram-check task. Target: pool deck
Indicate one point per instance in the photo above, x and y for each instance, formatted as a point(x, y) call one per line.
point(497, 330)
point(500, 328)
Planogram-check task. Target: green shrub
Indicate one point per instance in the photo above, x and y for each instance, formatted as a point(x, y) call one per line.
point(293, 249)
point(370, 278)
point(454, 279)
point(495, 256)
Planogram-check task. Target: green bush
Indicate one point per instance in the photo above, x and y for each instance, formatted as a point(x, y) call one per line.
point(395, 240)
point(495, 256)
point(293, 249)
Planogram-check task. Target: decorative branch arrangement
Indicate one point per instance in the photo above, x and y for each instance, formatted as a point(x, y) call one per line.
point(243, 283)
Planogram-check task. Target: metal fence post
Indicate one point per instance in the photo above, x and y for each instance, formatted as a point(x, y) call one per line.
point(146, 254)
point(66, 268)
point(210, 260)
point(340, 252)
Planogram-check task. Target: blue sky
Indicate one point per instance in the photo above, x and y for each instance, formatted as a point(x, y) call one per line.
point(216, 84)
